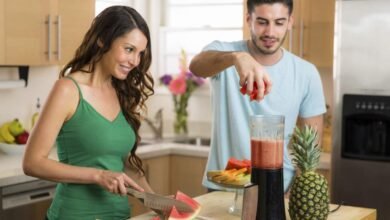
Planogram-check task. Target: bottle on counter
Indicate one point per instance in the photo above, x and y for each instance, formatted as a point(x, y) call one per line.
point(34, 117)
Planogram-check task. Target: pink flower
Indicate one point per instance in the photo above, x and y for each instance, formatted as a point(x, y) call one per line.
point(178, 85)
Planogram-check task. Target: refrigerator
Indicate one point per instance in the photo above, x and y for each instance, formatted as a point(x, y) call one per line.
point(361, 114)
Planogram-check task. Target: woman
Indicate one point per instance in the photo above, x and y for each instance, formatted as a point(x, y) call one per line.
point(93, 114)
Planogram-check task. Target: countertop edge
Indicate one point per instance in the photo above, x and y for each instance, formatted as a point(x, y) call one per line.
point(11, 171)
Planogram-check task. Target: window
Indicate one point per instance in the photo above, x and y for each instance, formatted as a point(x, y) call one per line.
point(192, 24)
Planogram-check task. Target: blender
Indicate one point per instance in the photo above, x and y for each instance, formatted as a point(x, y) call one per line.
point(267, 138)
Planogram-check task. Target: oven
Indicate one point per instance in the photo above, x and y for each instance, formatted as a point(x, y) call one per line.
point(361, 154)
point(28, 200)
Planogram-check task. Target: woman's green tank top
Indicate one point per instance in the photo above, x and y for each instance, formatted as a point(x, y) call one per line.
point(90, 140)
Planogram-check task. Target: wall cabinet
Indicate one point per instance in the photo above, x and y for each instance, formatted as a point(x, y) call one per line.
point(312, 35)
point(42, 32)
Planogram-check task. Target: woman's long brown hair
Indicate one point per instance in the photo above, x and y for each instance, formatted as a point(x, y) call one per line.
point(111, 23)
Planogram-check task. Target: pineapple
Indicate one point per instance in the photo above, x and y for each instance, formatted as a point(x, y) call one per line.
point(309, 196)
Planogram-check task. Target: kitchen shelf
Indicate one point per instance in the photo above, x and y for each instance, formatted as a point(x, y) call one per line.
point(12, 84)
point(21, 82)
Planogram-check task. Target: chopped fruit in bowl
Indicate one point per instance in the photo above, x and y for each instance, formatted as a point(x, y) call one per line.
point(235, 175)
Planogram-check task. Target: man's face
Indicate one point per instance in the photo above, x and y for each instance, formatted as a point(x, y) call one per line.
point(269, 24)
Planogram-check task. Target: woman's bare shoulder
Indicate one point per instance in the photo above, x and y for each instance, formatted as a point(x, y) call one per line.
point(64, 97)
point(64, 92)
point(65, 86)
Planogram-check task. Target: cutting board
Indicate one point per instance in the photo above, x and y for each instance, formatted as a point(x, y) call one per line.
point(215, 205)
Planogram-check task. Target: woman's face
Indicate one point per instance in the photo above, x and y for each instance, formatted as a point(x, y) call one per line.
point(124, 54)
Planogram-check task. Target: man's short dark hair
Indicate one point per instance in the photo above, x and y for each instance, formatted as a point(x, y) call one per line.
point(252, 3)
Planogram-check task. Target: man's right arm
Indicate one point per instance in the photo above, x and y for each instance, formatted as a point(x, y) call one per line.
point(210, 63)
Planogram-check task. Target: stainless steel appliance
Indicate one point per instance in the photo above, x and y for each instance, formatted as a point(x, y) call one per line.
point(361, 123)
point(28, 200)
point(365, 129)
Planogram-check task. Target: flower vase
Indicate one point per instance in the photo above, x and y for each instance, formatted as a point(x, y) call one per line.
point(180, 124)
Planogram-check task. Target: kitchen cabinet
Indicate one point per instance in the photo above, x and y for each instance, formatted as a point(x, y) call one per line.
point(157, 171)
point(312, 34)
point(36, 211)
point(42, 32)
point(168, 174)
point(186, 174)
point(158, 174)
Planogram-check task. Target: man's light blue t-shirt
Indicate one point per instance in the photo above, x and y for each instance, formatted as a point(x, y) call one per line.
point(296, 91)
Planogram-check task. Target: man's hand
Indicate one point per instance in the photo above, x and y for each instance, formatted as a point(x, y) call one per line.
point(252, 74)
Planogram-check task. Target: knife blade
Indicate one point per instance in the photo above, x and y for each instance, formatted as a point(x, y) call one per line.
point(159, 202)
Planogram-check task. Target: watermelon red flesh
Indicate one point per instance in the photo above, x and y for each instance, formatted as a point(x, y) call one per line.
point(247, 162)
point(175, 214)
point(234, 163)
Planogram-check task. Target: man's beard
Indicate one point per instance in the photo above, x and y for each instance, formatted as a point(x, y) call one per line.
point(266, 51)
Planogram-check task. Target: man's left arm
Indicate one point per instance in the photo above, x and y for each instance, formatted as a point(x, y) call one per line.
point(316, 122)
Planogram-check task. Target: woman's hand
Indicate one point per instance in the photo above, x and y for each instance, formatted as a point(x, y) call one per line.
point(251, 72)
point(115, 182)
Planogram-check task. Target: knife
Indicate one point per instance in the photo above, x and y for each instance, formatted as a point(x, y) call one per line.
point(159, 202)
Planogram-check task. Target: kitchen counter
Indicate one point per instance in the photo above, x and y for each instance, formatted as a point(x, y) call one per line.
point(11, 171)
point(215, 206)
point(11, 165)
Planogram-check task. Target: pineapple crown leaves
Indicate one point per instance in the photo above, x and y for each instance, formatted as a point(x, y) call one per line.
point(305, 149)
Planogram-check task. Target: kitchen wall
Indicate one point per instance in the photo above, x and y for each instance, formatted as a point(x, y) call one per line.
point(199, 111)
point(20, 102)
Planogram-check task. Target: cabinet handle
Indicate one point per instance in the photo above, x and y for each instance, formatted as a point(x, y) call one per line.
point(58, 23)
point(48, 52)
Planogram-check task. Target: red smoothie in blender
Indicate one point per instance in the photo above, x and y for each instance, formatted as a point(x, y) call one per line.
point(267, 153)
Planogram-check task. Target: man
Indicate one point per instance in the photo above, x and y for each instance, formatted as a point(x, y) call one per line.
point(296, 85)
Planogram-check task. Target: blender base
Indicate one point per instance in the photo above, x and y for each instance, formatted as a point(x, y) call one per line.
point(270, 204)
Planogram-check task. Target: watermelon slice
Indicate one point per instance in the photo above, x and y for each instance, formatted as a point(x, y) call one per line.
point(247, 162)
point(175, 214)
point(234, 163)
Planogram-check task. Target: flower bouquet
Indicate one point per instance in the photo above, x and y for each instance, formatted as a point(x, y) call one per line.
point(181, 86)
